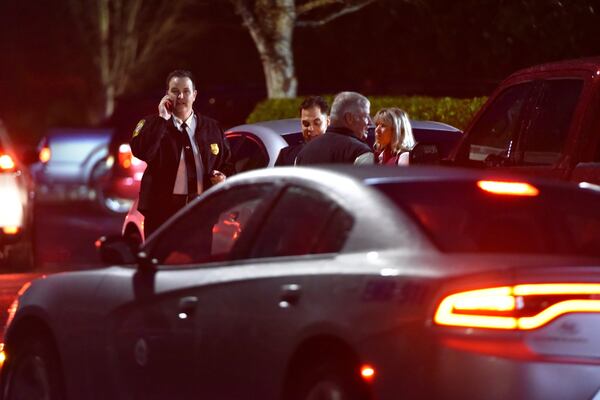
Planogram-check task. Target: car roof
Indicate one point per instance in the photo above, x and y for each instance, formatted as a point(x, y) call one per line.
point(377, 174)
point(352, 187)
point(292, 125)
point(591, 64)
point(280, 126)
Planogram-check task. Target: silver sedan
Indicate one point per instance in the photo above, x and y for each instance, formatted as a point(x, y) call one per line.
point(345, 283)
point(257, 145)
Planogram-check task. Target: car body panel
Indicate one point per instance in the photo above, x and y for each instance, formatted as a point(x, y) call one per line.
point(540, 145)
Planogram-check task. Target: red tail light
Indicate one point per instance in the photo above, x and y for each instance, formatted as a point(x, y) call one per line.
point(10, 230)
point(520, 307)
point(125, 157)
point(508, 188)
point(2, 355)
point(6, 163)
point(367, 373)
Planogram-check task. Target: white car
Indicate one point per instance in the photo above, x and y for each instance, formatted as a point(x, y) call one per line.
point(16, 208)
point(257, 145)
point(346, 283)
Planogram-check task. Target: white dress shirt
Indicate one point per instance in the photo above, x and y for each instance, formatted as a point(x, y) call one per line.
point(180, 186)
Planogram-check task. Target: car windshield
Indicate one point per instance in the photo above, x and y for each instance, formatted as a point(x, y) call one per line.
point(461, 217)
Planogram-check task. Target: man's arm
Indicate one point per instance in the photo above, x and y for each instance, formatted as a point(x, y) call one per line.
point(219, 147)
point(365, 159)
point(145, 141)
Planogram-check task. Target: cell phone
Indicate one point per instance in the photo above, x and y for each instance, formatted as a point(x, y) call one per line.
point(169, 105)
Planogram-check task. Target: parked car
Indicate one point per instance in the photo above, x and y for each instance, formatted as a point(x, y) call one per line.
point(540, 121)
point(119, 186)
point(16, 207)
point(70, 160)
point(341, 283)
point(257, 145)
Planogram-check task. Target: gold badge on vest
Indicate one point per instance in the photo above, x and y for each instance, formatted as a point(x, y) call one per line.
point(139, 127)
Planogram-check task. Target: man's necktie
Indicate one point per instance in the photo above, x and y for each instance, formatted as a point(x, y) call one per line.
point(190, 163)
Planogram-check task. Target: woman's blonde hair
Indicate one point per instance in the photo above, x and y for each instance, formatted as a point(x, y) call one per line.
point(402, 135)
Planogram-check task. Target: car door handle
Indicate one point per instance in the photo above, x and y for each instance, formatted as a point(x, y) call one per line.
point(187, 306)
point(290, 294)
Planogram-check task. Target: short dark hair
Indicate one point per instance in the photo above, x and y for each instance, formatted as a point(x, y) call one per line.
point(315, 101)
point(181, 73)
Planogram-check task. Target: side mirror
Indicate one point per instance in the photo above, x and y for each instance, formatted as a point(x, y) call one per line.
point(115, 249)
point(424, 153)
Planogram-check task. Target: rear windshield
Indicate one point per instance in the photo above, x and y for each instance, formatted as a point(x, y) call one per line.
point(460, 217)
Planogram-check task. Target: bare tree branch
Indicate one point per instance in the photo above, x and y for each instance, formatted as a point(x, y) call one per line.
point(315, 4)
point(125, 37)
point(350, 8)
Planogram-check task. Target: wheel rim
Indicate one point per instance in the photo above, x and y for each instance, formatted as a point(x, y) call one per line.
point(30, 380)
point(325, 390)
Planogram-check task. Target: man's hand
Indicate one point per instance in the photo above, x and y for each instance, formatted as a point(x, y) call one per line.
point(217, 176)
point(165, 107)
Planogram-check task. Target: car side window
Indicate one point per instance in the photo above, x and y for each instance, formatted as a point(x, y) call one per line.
point(209, 231)
point(543, 141)
point(333, 237)
point(302, 222)
point(495, 131)
point(247, 152)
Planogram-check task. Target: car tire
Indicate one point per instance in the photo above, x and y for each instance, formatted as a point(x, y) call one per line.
point(328, 378)
point(33, 372)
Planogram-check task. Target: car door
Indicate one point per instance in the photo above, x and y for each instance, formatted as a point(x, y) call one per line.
point(155, 335)
point(251, 321)
point(543, 147)
point(492, 138)
point(247, 152)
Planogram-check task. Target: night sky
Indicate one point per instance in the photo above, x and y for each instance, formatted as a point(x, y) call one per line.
point(436, 47)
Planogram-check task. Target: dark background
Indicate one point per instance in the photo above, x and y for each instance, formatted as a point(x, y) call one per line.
point(392, 47)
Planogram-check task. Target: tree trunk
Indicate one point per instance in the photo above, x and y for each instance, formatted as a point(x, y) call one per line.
point(280, 75)
point(271, 27)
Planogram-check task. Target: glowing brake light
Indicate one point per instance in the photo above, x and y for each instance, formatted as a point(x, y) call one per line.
point(6, 163)
point(508, 188)
point(520, 307)
point(2, 355)
point(45, 153)
point(125, 156)
point(367, 373)
point(10, 230)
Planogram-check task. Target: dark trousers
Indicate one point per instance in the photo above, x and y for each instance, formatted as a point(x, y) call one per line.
point(153, 219)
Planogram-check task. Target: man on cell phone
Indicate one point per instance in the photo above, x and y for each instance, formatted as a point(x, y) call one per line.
point(185, 152)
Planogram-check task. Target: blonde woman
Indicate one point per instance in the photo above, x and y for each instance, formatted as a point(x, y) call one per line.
point(393, 137)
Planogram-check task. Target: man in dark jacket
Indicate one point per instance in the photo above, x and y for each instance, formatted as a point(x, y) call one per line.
point(185, 152)
point(343, 142)
point(314, 120)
